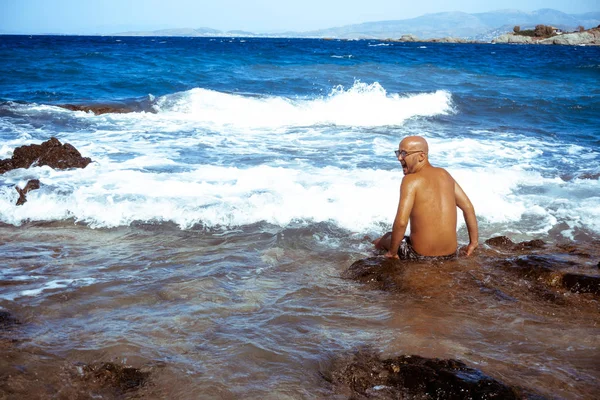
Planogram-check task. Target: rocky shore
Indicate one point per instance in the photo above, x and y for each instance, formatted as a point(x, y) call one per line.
point(590, 37)
point(532, 272)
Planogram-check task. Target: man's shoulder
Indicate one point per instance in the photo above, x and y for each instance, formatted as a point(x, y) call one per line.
point(427, 177)
point(439, 171)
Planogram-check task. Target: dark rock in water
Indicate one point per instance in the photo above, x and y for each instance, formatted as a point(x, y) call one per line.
point(98, 109)
point(7, 320)
point(377, 272)
point(6, 165)
point(117, 376)
point(531, 244)
point(505, 243)
point(581, 283)
point(543, 272)
point(51, 153)
point(591, 176)
point(366, 376)
point(572, 248)
point(500, 241)
point(33, 184)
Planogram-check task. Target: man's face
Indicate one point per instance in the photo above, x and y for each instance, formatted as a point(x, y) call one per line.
point(408, 158)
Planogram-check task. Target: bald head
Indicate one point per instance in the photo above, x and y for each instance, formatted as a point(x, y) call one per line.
point(414, 143)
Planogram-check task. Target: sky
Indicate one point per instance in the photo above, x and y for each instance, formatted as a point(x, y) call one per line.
point(258, 16)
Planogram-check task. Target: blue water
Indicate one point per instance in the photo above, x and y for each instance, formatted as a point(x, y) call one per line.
point(549, 87)
point(528, 113)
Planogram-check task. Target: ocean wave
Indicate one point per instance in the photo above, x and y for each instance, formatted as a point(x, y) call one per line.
point(362, 105)
point(359, 200)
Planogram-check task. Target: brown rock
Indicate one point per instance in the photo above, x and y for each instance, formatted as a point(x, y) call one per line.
point(115, 375)
point(33, 184)
point(500, 241)
point(545, 274)
point(367, 376)
point(581, 283)
point(378, 273)
point(51, 153)
point(505, 243)
point(98, 109)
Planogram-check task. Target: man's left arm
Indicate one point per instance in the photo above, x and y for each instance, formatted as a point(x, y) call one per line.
point(463, 202)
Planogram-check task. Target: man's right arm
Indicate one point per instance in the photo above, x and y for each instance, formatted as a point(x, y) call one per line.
point(405, 206)
point(463, 202)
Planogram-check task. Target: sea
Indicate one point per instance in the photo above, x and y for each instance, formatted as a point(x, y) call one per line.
point(207, 240)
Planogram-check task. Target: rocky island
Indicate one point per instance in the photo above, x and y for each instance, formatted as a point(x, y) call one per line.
point(546, 35)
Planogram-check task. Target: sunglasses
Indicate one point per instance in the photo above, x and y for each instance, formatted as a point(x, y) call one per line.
point(405, 153)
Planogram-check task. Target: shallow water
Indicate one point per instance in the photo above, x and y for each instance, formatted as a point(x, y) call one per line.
point(259, 312)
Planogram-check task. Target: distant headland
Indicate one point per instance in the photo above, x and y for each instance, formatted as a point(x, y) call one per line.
point(543, 34)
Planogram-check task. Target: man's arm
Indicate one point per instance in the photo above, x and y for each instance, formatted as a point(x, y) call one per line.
point(405, 205)
point(463, 202)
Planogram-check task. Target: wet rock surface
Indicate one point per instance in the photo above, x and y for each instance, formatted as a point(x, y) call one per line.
point(548, 271)
point(581, 283)
point(99, 109)
point(51, 153)
point(7, 320)
point(505, 243)
point(378, 273)
point(32, 184)
point(117, 376)
point(542, 282)
point(366, 376)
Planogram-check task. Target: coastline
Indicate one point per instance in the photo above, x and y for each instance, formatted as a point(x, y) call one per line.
point(590, 37)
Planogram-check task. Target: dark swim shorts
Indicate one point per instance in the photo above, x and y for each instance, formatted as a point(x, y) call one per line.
point(406, 252)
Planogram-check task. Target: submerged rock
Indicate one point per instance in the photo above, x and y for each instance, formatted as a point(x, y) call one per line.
point(33, 184)
point(504, 243)
point(117, 376)
point(51, 153)
point(7, 319)
point(377, 272)
point(581, 283)
point(547, 272)
point(367, 376)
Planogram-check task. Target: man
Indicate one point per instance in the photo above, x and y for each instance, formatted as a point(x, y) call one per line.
point(428, 199)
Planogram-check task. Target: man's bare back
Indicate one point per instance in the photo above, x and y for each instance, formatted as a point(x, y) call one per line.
point(428, 199)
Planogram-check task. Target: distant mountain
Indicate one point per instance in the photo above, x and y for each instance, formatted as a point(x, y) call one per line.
point(186, 32)
point(461, 25)
point(479, 26)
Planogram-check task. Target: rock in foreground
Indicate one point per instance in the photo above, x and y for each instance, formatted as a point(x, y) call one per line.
point(51, 153)
point(367, 376)
point(120, 377)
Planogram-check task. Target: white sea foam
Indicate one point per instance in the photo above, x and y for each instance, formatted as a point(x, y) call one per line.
point(327, 159)
point(361, 105)
point(359, 200)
